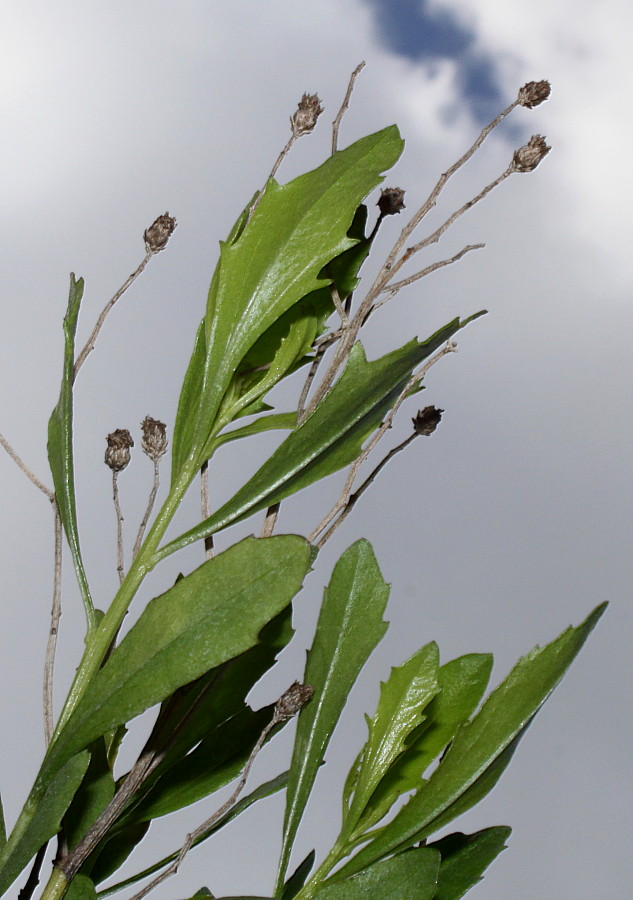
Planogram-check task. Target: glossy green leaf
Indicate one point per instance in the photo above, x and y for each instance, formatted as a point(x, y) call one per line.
point(480, 747)
point(60, 445)
point(298, 877)
point(331, 437)
point(465, 857)
point(94, 794)
point(114, 850)
point(216, 761)
point(462, 684)
point(3, 829)
point(264, 790)
point(197, 711)
point(277, 259)
point(81, 888)
point(190, 394)
point(403, 700)
point(202, 894)
point(408, 876)
point(350, 626)
point(40, 819)
point(273, 422)
point(205, 619)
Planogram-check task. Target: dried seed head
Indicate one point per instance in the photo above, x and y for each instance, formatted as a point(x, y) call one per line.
point(292, 701)
point(117, 454)
point(527, 158)
point(158, 233)
point(534, 93)
point(154, 441)
point(391, 201)
point(305, 118)
point(427, 420)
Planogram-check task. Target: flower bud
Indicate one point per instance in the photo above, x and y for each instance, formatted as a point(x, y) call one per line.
point(158, 233)
point(117, 454)
point(391, 201)
point(305, 118)
point(427, 420)
point(534, 93)
point(292, 701)
point(154, 441)
point(527, 158)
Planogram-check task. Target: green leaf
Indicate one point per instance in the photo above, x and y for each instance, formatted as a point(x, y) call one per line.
point(94, 794)
point(40, 819)
point(216, 761)
point(60, 445)
point(190, 394)
point(3, 828)
point(465, 857)
point(408, 876)
point(295, 231)
point(462, 684)
point(81, 888)
point(264, 423)
point(205, 619)
point(481, 748)
point(196, 712)
point(114, 850)
point(330, 438)
point(264, 790)
point(298, 877)
point(349, 628)
point(403, 699)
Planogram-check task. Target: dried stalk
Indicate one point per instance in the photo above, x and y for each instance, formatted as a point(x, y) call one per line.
point(336, 124)
point(344, 496)
point(148, 510)
point(119, 526)
point(90, 343)
point(271, 519)
point(24, 468)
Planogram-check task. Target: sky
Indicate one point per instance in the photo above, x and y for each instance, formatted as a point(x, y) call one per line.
point(512, 522)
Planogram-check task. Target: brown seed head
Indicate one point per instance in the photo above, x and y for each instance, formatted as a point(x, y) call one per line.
point(527, 158)
point(427, 420)
point(534, 93)
point(117, 454)
point(158, 233)
point(391, 201)
point(154, 441)
point(292, 701)
point(306, 115)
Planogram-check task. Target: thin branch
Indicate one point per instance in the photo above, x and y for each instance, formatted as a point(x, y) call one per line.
point(344, 496)
point(355, 497)
point(394, 288)
point(436, 235)
point(56, 612)
point(336, 300)
point(148, 510)
point(287, 706)
point(119, 526)
point(99, 324)
point(204, 507)
point(336, 124)
point(271, 520)
point(21, 465)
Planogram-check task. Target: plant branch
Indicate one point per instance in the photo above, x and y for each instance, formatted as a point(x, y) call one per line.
point(271, 520)
point(205, 508)
point(449, 347)
point(90, 343)
point(148, 510)
point(336, 124)
point(119, 526)
point(24, 468)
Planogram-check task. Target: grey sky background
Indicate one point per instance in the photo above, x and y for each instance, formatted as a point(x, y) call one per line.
point(512, 522)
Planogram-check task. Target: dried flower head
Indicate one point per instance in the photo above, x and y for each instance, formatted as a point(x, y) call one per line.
point(306, 115)
point(117, 454)
point(427, 420)
point(158, 233)
point(154, 441)
point(534, 93)
point(292, 701)
point(391, 201)
point(527, 158)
